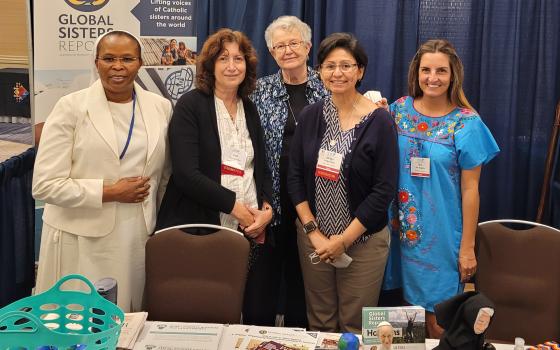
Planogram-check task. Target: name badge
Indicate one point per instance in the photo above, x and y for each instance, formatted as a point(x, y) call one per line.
point(328, 165)
point(233, 162)
point(420, 167)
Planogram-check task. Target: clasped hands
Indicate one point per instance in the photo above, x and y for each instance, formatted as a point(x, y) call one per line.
point(328, 249)
point(252, 221)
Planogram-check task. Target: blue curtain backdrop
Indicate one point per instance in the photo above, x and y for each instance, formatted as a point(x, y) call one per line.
point(511, 53)
point(17, 258)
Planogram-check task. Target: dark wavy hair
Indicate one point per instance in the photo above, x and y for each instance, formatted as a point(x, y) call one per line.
point(347, 42)
point(211, 50)
point(455, 93)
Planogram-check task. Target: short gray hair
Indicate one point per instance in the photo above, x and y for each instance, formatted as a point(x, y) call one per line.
point(287, 23)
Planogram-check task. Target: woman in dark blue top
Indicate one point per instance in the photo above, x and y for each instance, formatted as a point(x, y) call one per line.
point(342, 177)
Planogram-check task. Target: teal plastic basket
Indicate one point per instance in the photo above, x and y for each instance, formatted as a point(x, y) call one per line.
point(60, 320)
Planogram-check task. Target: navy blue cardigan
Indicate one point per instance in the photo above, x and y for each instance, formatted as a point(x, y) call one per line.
point(370, 168)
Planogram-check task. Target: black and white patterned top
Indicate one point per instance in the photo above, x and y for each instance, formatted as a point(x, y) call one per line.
point(333, 209)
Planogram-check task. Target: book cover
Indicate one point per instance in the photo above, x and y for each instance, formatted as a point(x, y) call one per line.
point(394, 328)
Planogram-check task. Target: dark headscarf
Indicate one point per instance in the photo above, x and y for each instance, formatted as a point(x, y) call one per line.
point(457, 316)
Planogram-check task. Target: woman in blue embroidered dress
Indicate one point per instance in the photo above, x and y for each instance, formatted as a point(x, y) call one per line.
point(279, 98)
point(342, 177)
point(443, 144)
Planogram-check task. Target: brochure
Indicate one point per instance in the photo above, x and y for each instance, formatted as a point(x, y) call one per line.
point(245, 337)
point(132, 325)
point(180, 336)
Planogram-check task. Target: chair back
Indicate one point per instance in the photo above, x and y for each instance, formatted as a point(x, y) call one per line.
point(196, 278)
point(519, 270)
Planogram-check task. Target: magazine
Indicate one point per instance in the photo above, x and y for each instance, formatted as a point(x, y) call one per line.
point(394, 328)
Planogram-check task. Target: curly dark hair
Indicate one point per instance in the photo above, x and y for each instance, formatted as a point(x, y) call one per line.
point(211, 50)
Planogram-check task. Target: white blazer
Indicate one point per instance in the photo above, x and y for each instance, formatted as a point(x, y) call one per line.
point(78, 152)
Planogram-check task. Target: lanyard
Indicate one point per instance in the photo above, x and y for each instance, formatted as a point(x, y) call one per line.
point(131, 126)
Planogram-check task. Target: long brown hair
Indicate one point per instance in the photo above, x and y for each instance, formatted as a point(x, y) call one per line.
point(455, 93)
point(213, 46)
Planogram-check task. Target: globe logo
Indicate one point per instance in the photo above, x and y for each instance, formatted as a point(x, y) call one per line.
point(179, 82)
point(87, 5)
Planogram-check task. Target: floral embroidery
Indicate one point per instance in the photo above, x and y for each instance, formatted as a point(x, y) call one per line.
point(409, 219)
point(412, 235)
point(403, 196)
point(422, 126)
point(442, 129)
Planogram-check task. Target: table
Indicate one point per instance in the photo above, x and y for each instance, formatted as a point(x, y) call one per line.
point(430, 343)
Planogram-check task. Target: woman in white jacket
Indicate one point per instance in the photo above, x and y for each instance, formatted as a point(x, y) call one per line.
point(101, 170)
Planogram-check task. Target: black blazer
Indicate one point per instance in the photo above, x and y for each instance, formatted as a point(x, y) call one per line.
point(194, 193)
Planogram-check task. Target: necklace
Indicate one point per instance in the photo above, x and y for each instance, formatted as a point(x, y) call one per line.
point(231, 107)
point(349, 117)
point(292, 112)
point(232, 117)
point(289, 82)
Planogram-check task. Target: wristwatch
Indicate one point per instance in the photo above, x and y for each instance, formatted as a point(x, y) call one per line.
point(309, 227)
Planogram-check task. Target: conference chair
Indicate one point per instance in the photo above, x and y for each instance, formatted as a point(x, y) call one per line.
point(519, 270)
point(196, 278)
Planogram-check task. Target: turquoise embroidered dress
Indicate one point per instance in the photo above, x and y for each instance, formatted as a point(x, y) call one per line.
point(427, 218)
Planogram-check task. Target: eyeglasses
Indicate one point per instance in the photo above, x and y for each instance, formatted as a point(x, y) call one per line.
point(113, 60)
point(344, 67)
point(294, 45)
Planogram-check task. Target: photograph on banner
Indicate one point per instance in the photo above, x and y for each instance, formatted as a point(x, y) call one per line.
point(65, 33)
point(168, 51)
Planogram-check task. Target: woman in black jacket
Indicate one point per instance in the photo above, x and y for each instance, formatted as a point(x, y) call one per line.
point(217, 151)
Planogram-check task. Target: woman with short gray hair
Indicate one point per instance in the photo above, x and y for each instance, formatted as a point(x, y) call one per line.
point(279, 98)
